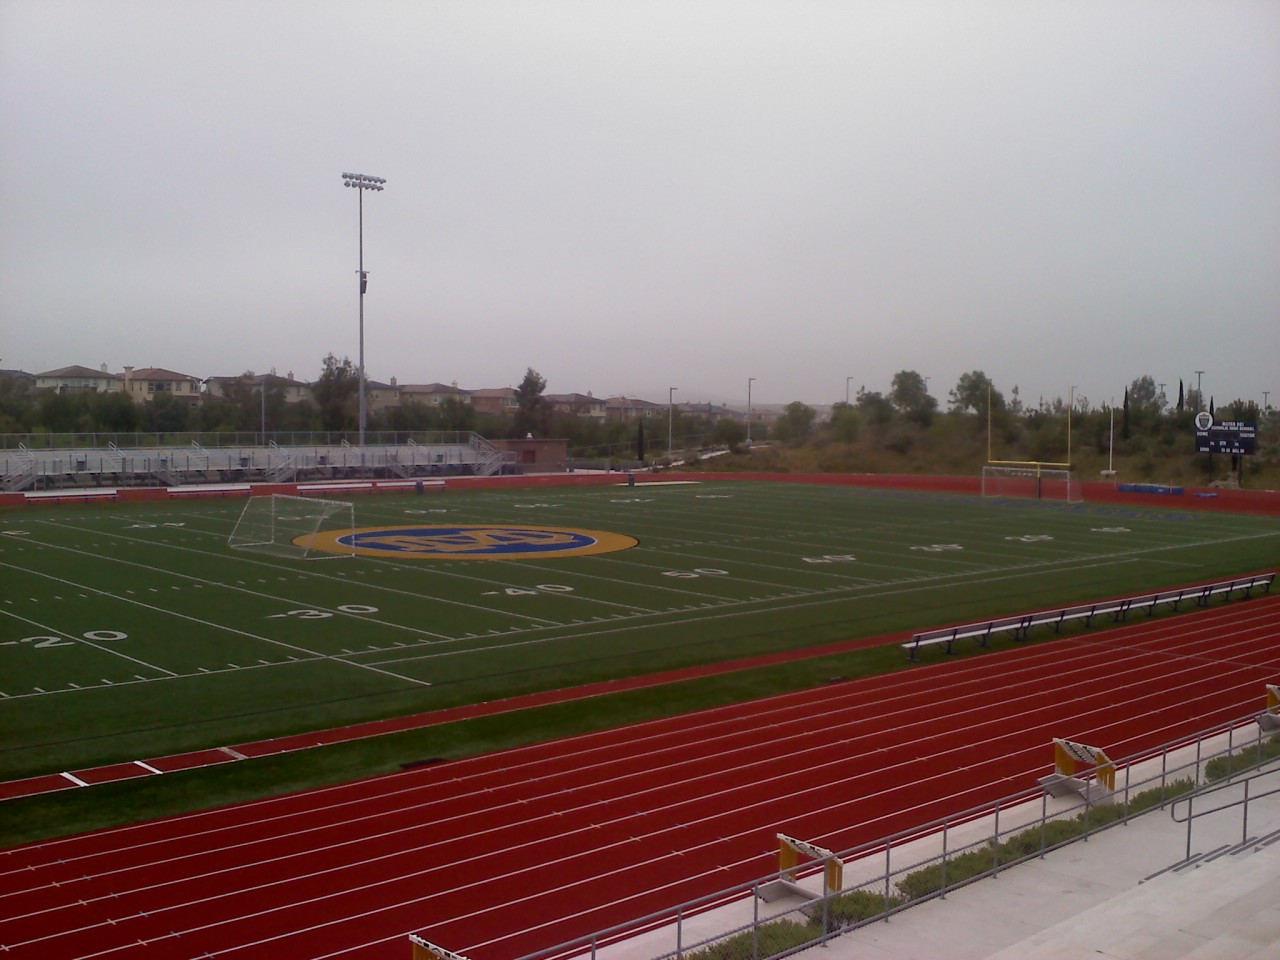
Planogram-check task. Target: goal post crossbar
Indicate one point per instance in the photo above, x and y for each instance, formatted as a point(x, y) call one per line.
point(1048, 464)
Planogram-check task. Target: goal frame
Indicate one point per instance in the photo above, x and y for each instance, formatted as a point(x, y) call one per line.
point(286, 525)
point(1031, 480)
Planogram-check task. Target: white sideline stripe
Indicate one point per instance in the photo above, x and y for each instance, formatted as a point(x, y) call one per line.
point(148, 767)
point(73, 778)
point(1082, 652)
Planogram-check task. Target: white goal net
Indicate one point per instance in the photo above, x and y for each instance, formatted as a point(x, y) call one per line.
point(286, 526)
point(1031, 481)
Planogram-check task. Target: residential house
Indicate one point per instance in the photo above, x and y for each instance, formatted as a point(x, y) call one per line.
point(627, 409)
point(77, 379)
point(499, 401)
point(293, 391)
point(577, 404)
point(150, 382)
point(432, 394)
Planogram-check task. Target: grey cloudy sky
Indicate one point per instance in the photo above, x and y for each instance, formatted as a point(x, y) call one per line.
point(629, 196)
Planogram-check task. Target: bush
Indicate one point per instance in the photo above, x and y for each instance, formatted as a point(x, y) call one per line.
point(1033, 840)
point(1252, 756)
point(853, 907)
point(776, 937)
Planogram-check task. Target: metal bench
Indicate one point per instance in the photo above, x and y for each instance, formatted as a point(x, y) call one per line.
point(1118, 609)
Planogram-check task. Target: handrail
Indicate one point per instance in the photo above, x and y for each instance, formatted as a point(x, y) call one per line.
point(890, 851)
point(1217, 788)
point(1244, 801)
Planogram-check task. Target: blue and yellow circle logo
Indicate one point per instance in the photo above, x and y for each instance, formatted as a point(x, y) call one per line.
point(467, 542)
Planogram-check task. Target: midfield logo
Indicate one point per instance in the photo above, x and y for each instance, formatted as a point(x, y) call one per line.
point(470, 542)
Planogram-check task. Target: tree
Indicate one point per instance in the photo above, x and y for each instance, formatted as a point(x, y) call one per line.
point(165, 414)
point(114, 412)
point(532, 410)
point(1124, 430)
point(729, 433)
point(910, 396)
point(457, 415)
point(975, 392)
point(875, 407)
point(1144, 394)
point(336, 393)
point(796, 422)
point(845, 422)
point(1181, 396)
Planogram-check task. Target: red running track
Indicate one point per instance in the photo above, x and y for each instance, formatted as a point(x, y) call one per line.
point(501, 855)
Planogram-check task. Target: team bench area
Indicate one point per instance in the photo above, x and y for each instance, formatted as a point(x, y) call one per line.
point(1118, 609)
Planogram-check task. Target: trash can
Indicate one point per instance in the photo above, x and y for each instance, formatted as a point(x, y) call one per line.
point(418, 487)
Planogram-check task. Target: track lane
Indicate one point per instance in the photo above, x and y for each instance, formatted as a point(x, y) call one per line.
point(922, 684)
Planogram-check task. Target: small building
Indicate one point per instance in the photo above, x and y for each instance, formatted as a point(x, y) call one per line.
point(537, 456)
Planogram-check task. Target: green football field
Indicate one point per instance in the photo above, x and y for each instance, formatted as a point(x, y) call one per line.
point(130, 631)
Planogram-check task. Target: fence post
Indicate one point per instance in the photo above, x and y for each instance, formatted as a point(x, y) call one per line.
point(945, 858)
point(755, 921)
point(995, 850)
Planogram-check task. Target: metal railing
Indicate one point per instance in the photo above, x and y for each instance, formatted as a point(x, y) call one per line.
point(894, 873)
point(1243, 803)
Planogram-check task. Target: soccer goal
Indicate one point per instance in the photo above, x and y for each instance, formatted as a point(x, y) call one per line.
point(1034, 481)
point(286, 526)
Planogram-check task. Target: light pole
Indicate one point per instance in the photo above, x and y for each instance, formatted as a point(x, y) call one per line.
point(750, 381)
point(361, 183)
point(846, 390)
point(1199, 395)
point(670, 416)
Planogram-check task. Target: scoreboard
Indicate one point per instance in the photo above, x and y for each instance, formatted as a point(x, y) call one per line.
point(1226, 436)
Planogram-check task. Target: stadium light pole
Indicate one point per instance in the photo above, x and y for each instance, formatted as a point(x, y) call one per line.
point(1199, 395)
point(750, 381)
point(846, 390)
point(361, 183)
point(670, 415)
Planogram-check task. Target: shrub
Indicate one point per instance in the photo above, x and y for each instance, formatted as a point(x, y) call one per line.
point(1031, 841)
point(778, 936)
point(1251, 756)
point(856, 905)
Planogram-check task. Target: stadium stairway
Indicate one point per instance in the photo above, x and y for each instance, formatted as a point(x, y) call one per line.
point(1115, 896)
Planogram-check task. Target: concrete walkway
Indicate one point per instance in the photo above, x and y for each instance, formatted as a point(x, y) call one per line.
point(1107, 898)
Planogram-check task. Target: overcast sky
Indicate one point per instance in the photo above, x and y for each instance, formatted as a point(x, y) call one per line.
point(633, 196)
